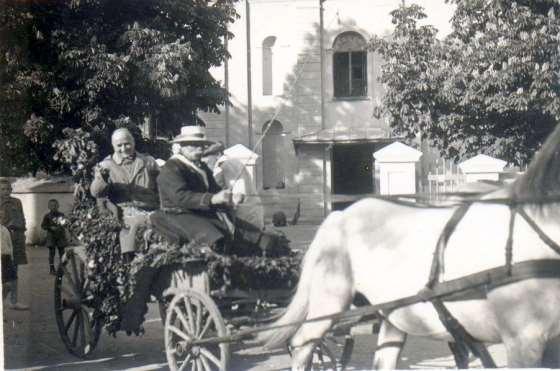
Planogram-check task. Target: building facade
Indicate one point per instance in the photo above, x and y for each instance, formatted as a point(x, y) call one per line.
point(304, 94)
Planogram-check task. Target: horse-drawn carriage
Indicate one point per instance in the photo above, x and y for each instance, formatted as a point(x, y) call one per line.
point(194, 304)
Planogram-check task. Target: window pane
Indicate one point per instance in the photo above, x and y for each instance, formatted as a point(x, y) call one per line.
point(359, 74)
point(341, 74)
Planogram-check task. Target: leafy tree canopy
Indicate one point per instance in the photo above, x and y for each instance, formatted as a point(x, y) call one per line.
point(491, 86)
point(73, 70)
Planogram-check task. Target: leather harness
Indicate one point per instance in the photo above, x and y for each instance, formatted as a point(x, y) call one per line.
point(538, 268)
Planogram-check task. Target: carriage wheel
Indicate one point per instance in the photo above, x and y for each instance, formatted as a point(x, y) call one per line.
point(78, 328)
point(192, 315)
point(331, 353)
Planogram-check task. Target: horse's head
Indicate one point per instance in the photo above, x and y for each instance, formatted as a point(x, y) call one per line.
point(540, 184)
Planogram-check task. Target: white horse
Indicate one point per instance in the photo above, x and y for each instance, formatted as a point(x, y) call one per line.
point(384, 251)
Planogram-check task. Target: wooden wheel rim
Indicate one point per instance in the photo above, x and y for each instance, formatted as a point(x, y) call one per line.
point(194, 315)
point(78, 330)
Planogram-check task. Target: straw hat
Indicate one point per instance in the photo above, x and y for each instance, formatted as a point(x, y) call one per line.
point(192, 134)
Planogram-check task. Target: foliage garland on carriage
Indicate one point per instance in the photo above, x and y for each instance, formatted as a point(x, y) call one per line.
point(112, 279)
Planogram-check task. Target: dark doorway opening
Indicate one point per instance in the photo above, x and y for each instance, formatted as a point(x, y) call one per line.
point(352, 171)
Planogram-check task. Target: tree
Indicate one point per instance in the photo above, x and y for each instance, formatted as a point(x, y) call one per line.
point(491, 86)
point(99, 64)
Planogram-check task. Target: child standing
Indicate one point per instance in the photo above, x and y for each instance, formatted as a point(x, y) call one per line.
point(8, 268)
point(53, 223)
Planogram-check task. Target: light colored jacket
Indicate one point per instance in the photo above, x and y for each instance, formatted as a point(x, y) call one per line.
point(138, 189)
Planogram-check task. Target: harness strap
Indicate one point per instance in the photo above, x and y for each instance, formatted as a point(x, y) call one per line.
point(461, 335)
point(509, 243)
point(547, 240)
point(463, 339)
point(438, 261)
point(458, 332)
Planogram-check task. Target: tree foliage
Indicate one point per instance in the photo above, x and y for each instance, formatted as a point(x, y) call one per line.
point(490, 86)
point(99, 64)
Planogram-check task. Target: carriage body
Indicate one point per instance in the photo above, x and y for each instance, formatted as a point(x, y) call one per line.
point(190, 308)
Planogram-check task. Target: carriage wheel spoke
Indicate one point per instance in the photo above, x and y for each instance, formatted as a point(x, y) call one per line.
point(185, 363)
point(194, 366)
point(199, 364)
point(83, 342)
point(206, 353)
point(183, 320)
point(76, 329)
point(70, 321)
point(189, 312)
point(87, 325)
point(209, 321)
point(205, 363)
point(198, 324)
point(179, 332)
point(86, 284)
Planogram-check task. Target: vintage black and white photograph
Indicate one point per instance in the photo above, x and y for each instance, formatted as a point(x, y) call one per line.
point(267, 185)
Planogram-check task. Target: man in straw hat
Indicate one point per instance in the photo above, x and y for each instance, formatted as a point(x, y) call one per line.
point(192, 204)
point(128, 180)
point(11, 217)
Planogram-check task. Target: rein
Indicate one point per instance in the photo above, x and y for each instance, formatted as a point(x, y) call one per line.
point(462, 198)
point(487, 280)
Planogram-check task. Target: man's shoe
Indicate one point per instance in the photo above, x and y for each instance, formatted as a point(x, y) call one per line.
point(18, 306)
point(52, 271)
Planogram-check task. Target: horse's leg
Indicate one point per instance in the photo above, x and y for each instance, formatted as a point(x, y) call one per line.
point(551, 354)
point(526, 325)
point(524, 352)
point(390, 342)
point(331, 292)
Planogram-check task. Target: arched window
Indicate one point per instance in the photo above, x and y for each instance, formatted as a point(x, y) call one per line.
point(272, 156)
point(349, 65)
point(267, 45)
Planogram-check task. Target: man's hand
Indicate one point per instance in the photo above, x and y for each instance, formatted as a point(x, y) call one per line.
point(222, 198)
point(238, 198)
point(102, 173)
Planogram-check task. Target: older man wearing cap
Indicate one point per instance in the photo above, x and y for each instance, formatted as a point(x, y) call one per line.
point(128, 179)
point(191, 201)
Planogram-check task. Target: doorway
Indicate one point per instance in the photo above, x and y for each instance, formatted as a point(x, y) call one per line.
point(352, 171)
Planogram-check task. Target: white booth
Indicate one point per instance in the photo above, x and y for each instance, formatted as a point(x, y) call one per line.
point(396, 164)
point(482, 167)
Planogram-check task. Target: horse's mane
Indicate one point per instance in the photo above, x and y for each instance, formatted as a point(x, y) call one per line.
point(542, 177)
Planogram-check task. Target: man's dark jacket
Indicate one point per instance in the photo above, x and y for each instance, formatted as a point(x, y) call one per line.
point(186, 213)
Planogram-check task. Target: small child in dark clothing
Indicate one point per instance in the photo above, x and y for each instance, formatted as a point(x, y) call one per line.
point(53, 223)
